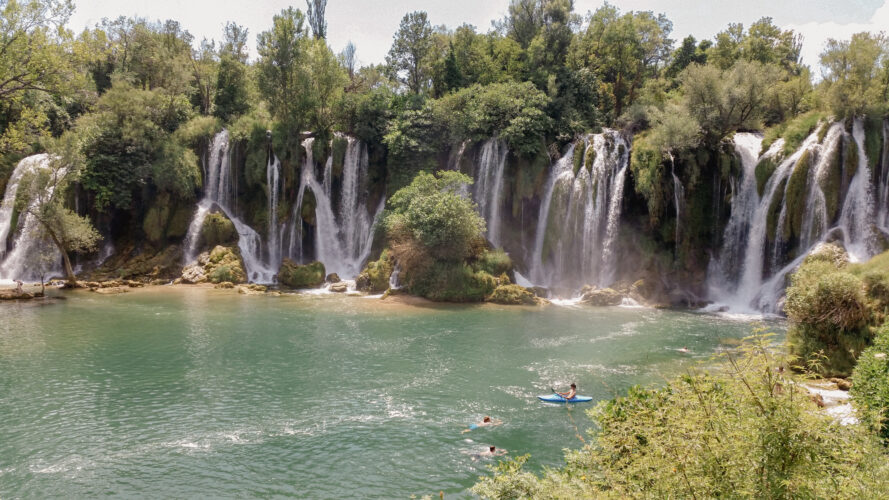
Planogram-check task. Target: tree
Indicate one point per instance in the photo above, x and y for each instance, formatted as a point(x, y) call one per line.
point(35, 69)
point(410, 51)
point(315, 11)
point(349, 59)
point(853, 74)
point(524, 20)
point(231, 98)
point(281, 76)
point(326, 82)
point(42, 197)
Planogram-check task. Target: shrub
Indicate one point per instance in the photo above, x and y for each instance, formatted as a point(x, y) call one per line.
point(301, 276)
point(870, 384)
point(494, 262)
point(744, 429)
point(224, 264)
point(512, 295)
point(451, 282)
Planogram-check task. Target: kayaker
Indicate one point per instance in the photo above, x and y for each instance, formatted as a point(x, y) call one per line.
point(570, 394)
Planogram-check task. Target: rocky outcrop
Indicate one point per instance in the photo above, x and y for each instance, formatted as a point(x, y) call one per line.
point(218, 230)
point(333, 278)
point(13, 294)
point(295, 275)
point(514, 295)
point(252, 289)
point(593, 296)
point(222, 264)
point(375, 277)
point(340, 287)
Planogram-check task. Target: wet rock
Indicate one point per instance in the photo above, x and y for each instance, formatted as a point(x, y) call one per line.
point(13, 294)
point(333, 278)
point(224, 264)
point(842, 384)
point(225, 284)
point(110, 290)
point(193, 274)
point(341, 287)
point(252, 289)
point(513, 295)
point(295, 275)
point(158, 282)
point(375, 277)
point(601, 297)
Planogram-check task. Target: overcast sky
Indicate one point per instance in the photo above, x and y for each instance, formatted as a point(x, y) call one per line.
point(371, 23)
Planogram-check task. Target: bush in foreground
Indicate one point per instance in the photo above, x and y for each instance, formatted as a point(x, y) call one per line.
point(745, 429)
point(870, 384)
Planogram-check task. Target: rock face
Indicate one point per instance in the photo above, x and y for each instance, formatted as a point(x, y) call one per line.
point(222, 264)
point(333, 278)
point(375, 277)
point(513, 295)
point(593, 296)
point(218, 230)
point(295, 275)
point(13, 294)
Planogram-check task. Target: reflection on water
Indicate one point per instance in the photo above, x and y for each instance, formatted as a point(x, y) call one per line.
point(178, 392)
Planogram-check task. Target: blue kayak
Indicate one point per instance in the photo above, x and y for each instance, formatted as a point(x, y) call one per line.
point(555, 398)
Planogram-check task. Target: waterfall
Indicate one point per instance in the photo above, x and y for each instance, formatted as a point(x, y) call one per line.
point(344, 227)
point(883, 190)
point(750, 270)
point(678, 197)
point(273, 181)
point(218, 195)
point(579, 218)
point(24, 260)
point(489, 185)
point(857, 216)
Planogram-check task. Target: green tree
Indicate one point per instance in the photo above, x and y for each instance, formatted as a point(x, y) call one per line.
point(282, 77)
point(231, 98)
point(853, 74)
point(327, 81)
point(317, 21)
point(42, 196)
point(411, 47)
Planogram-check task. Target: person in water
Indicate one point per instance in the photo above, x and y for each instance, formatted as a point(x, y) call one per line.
point(570, 394)
point(486, 422)
point(492, 452)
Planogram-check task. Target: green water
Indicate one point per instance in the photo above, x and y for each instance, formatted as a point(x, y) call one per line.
point(203, 393)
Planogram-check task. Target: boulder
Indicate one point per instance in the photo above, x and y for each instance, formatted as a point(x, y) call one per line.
point(332, 278)
point(513, 295)
point(340, 287)
point(110, 290)
point(218, 230)
point(224, 264)
point(295, 275)
point(601, 297)
point(842, 384)
point(13, 294)
point(252, 289)
point(225, 284)
point(375, 277)
point(193, 274)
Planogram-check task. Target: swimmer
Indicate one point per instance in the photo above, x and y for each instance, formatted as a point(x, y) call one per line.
point(490, 452)
point(684, 350)
point(486, 422)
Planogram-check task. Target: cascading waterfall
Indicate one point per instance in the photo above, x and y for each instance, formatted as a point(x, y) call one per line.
point(21, 262)
point(766, 237)
point(579, 217)
point(273, 181)
point(218, 195)
point(883, 190)
point(678, 198)
point(488, 188)
point(343, 231)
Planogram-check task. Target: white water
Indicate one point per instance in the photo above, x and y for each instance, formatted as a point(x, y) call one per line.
point(218, 195)
point(24, 260)
point(488, 188)
point(579, 219)
point(343, 230)
point(678, 199)
point(750, 272)
point(883, 188)
point(273, 182)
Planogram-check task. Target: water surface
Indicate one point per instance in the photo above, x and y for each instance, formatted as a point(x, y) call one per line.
point(178, 392)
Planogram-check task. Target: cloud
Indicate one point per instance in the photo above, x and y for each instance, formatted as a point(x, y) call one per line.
point(816, 34)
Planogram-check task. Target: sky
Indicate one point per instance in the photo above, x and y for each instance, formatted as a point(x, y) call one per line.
point(370, 24)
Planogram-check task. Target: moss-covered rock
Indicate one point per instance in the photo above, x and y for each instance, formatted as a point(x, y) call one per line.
point(224, 264)
point(451, 282)
point(375, 276)
point(831, 181)
point(774, 210)
point(513, 295)
point(764, 170)
point(850, 162)
point(338, 148)
point(579, 148)
point(873, 140)
point(601, 297)
point(796, 194)
point(155, 223)
point(295, 275)
point(218, 230)
point(590, 159)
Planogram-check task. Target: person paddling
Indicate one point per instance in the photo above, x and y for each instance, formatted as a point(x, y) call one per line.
point(570, 394)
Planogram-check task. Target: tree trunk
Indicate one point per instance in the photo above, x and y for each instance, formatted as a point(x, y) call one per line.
point(69, 271)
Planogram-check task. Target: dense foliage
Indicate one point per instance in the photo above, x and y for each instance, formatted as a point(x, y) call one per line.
point(744, 429)
point(870, 384)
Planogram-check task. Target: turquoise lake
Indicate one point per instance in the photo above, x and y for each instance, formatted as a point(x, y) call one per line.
point(181, 392)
